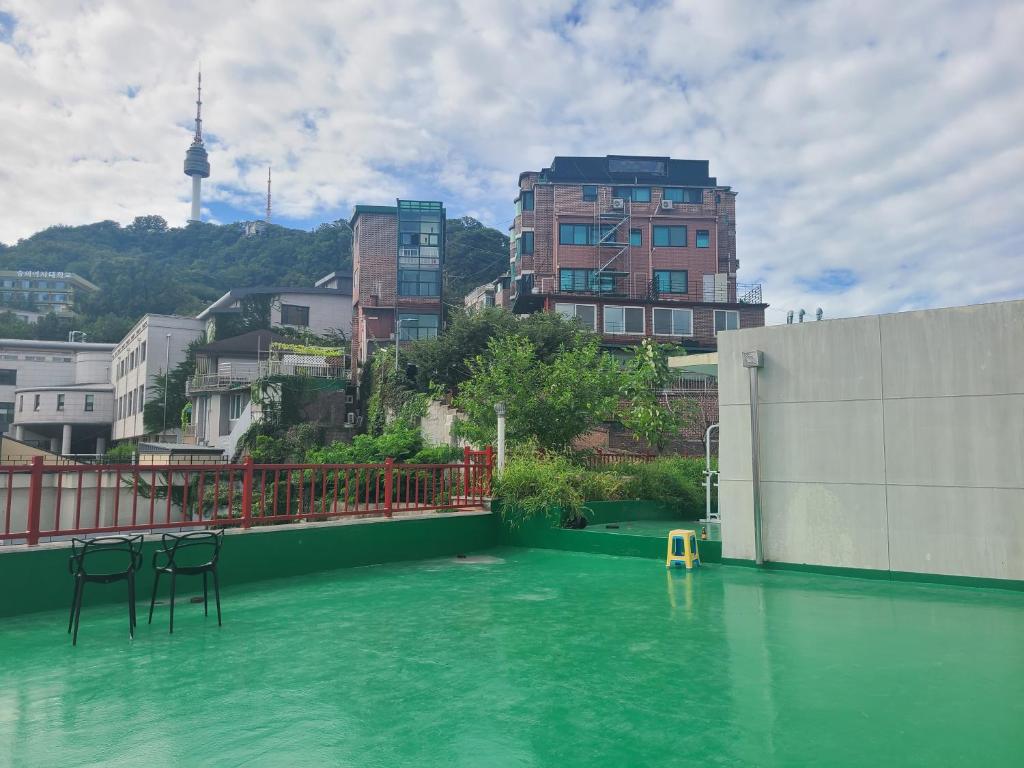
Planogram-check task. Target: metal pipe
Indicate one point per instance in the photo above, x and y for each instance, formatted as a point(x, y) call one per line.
point(753, 361)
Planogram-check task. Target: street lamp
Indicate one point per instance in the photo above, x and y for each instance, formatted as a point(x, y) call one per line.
point(167, 375)
point(398, 333)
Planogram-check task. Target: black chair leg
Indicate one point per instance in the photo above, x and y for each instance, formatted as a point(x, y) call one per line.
point(152, 600)
point(206, 609)
point(216, 593)
point(131, 607)
point(173, 579)
point(74, 603)
point(78, 611)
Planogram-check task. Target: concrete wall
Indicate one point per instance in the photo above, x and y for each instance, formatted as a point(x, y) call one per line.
point(889, 442)
point(327, 312)
point(436, 426)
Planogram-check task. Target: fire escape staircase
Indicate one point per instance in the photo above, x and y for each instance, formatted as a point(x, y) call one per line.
point(611, 233)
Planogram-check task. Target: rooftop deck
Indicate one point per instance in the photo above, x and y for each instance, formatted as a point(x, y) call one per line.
point(522, 657)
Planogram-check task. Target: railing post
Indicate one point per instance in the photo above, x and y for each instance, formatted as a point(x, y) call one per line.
point(465, 474)
point(35, 499)
point(247, 474)
point(388, 475)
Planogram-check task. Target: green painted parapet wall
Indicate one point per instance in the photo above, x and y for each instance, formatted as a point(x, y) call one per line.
point(544, 532)
point(36, 578)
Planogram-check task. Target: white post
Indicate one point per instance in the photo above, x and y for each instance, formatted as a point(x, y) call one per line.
point(499, 408)
point(65, 443)
point(167, 372)
point(708, 474)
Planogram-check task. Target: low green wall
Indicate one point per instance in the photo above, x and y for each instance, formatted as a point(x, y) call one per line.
point(37, 579)
point(544, 533)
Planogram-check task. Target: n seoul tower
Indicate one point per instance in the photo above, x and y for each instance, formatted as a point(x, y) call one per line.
point(196, 164)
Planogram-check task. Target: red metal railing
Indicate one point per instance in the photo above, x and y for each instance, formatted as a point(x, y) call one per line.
point(46, 501)
point(600, 458)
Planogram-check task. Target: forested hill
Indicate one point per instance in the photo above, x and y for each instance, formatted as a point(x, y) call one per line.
point(148, 267)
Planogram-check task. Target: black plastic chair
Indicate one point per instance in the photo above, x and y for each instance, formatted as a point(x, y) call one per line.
point(188, 554)
point(103, 560)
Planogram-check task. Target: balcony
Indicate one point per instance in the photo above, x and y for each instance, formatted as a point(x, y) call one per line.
point(531, 289)
point(230, 377)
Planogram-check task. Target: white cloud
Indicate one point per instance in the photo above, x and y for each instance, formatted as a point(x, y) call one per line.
point(877, 138)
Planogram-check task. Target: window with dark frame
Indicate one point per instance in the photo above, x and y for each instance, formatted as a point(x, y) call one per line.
point(527, 243)
point(9, 376)
point(35, 403)
point(90, 402)
point(60, 402)
point(589, 193)
point(669, 236)
point(703, 238)
point(672, 322)
point(293, 314)
point(419, 282)
point(671, 280)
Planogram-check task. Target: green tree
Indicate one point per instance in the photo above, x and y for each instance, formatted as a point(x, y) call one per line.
point(549, 403)
point(646, 413)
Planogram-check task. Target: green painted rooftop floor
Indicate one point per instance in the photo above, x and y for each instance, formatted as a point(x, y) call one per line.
point(524, 657)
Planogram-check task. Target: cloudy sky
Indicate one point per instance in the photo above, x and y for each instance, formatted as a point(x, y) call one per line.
point(877, 147)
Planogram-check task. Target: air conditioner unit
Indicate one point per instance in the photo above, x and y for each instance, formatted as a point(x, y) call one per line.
point(618, 203)
point(666, 205)
point(350, 419)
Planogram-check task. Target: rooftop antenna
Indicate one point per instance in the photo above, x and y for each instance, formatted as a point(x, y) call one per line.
point(196, 163)
point(268, 194)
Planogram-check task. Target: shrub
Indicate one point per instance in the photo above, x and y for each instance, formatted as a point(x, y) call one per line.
point(549, 485)
point(677, 481)
point(122, 453)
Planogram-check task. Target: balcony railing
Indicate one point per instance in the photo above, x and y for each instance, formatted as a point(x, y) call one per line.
point(234, 378)
point(620, 286)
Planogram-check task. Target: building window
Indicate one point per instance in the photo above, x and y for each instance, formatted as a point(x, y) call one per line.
point(21, 403)
point(118, 408)
point(130, 403)
point(292, 314)
point(636, 237)
point(636, 165)
point(584, 314)
point(235, 406)
point(131, 360)
point(623, 319)
point(636, 194)
point(726, 320)
point(415, 326)
point(589, 193)
point(703, 238)
point(9, 376)
point(674, 237)
point(673, 322)
point(35, 403)
point(680, 195)
point(527, 244)
point(140, 398)
point(6, 415)
point(585, 234)
point(670, 280)
point(90, 402)
point(584, 281)
point(419, 282)
point(142, 352)
point(527, 200)
point(60, 402)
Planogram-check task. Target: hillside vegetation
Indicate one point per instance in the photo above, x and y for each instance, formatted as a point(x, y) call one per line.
point(149, 267)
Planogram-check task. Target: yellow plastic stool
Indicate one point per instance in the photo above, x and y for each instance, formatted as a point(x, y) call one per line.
point(682, 549)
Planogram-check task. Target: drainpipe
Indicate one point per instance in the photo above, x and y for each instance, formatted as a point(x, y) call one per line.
point(753, 361)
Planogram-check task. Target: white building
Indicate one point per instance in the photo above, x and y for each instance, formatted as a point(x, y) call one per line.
point(325, 309)
point(56, 395)
point(156, 344)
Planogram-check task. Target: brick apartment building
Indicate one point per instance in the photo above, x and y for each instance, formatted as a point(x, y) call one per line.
point(397, 257)
point(630, 247)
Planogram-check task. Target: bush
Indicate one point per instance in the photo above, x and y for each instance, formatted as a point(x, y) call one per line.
point(123, 453)
point(549, 485)
point(558, 487)
point(677, 481)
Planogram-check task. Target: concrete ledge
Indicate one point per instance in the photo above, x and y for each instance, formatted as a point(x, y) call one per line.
point(37, 579)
